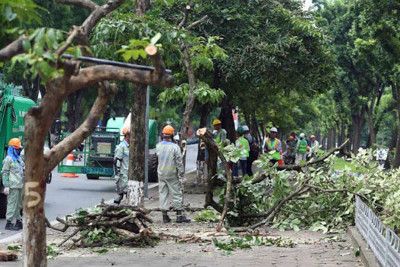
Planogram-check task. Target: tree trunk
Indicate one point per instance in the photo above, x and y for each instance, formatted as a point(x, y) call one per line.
point(227, 119)
point(74, 111)
point(37, 124)
point(357, 125)
point(137, 142)
point(190, 98)
point(136, 172)
point(31, 87)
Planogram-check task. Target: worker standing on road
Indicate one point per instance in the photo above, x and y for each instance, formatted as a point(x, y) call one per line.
point(291, 144)
point(243, 145)
point(301, 149)
point(121, 165)
point(170, 175)
point(220, 133)
point(254, 149)
point(13, 181)
point(272, 143)
point(314, 146)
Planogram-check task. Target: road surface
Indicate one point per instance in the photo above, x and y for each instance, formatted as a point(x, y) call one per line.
point(65, 195)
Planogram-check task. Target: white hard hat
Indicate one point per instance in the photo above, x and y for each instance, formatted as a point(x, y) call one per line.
point(273, 129)
point(176, 137)
point(245, 128)
point(302, 135)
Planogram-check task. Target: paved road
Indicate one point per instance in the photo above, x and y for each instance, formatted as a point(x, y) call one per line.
point(65, 195)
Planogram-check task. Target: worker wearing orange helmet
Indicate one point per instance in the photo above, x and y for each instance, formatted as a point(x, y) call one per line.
point(314, 146)
point(121, 165)
point(13, 181)
point(170, 174)
point(291, 148)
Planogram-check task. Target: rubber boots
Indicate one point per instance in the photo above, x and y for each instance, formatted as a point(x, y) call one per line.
point(17, 226)
point(118, 199)
point(9, 225)
point(181, 218)
point(165, 217)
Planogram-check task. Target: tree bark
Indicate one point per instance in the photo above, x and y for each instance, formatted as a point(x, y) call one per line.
point(227, 119)
point(137, 142)
point(357, 125)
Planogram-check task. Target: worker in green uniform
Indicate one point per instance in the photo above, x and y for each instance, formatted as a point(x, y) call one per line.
point(13, 181)
point(242, 144)
point(121, 165)
point(220, 133)
point(170, 175)
point(273, 144)
point(301, 149)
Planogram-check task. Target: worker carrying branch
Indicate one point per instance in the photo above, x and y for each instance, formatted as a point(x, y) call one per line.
point(170, 175)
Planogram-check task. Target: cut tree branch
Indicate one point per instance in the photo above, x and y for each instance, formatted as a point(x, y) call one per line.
point(12, 49)
point(92, 75)
point(208, 139)
point(197, 22)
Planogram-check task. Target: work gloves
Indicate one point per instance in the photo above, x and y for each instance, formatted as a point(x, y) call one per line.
point(6, 191)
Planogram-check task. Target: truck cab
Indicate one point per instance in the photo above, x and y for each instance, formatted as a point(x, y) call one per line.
point(12, 111)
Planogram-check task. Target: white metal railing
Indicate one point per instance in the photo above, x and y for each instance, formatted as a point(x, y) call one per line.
point(382, 241)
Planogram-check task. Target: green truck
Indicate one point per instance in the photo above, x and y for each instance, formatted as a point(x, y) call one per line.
point(12, 111)
point(96, 154)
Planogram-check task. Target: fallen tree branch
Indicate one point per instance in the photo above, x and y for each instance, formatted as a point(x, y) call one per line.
point(327, 190)
point(208, 139)
point(299, 168)
point(108, 228)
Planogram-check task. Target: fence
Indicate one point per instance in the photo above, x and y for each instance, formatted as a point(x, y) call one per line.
point(383, 242)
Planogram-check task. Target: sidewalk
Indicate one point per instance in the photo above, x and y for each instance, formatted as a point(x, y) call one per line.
point(311, 249)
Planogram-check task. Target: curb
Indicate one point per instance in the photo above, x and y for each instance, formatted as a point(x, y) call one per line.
point(367, 256)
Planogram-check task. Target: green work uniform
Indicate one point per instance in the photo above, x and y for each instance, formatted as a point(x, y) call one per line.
point(170, 168)
point(242, 143)
point(122, 154)
point(302, 147)
point(292, 145)
point(274, 145)
point(13, 177)
point(221, 137)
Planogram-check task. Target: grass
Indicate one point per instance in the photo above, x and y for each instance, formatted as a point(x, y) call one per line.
point(341, 164)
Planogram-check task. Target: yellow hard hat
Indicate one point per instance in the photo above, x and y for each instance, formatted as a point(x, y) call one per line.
point(216, 122)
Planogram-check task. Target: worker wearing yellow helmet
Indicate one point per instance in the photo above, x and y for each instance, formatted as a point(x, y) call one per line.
point(121, 166)
point(170, 175)
point(219, 132)
point(13, 181)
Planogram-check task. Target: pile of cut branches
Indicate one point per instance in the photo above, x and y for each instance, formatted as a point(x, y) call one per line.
point(107, 225)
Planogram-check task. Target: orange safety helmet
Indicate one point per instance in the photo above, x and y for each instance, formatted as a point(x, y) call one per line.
point(308, 148)
point(15, 142)
point(126, 130)
point(291, 138)
point(168, 130)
